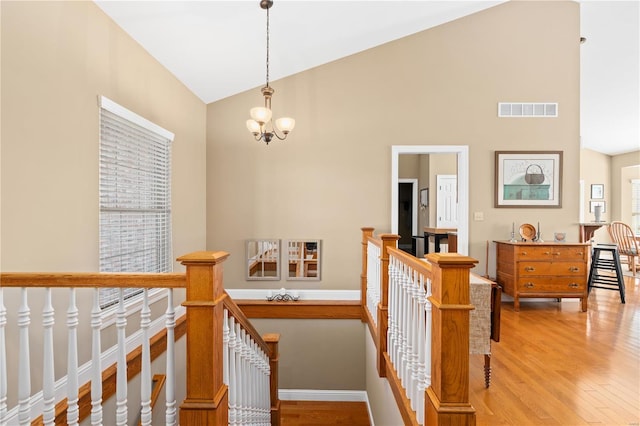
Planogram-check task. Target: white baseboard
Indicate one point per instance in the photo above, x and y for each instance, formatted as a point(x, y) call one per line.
point(322, 395)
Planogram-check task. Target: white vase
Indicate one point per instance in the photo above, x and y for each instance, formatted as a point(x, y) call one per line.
point(597, 212)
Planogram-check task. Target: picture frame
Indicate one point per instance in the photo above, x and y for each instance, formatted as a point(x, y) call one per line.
point(592, 204)
point(528, 179)
point(597, 191)
point(424, 197)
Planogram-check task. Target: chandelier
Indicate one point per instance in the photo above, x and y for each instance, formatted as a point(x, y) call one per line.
point(261, 124)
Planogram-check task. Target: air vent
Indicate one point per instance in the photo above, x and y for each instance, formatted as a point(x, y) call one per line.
point(527, 109)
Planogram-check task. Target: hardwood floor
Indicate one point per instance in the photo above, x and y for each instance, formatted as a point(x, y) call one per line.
point(556, 365)
point(310, 413)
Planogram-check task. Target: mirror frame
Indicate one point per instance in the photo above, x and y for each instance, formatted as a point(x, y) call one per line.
point(252, 260)
point(304, 260)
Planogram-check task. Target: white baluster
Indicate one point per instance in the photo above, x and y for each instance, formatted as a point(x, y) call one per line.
point(3, 360)
point(170, 383)
point(73, 411)
point(427, 339)
point(225, 347)
point(121, 373)
point(48, 375)
point(422, 333)
point(414, 339)
point(233, 378)
point(145, 373)
point(96, 363)
point(24, 372)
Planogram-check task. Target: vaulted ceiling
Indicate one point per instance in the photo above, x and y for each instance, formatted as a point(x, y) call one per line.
point(217, 48)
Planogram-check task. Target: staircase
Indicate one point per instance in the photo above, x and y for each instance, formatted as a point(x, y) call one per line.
point(298, 413)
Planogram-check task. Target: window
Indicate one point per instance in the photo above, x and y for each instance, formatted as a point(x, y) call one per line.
point(635, 206)
point(135, 196)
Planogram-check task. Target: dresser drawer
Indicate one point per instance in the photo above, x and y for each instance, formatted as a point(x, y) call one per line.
point(552, 285)
point(552, 268)
point(578, 253)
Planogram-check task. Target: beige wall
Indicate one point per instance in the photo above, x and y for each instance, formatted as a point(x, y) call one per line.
point(332, 175)
point(622, 170)
point(57, 58)
point(595, 168)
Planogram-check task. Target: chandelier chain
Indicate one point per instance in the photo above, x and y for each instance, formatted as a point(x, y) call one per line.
point(267, 47)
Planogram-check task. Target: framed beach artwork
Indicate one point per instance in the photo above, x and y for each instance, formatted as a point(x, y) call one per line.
point(528, 179)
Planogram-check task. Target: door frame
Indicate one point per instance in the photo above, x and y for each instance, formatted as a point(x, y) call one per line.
point(414, 206)
point(462, 152)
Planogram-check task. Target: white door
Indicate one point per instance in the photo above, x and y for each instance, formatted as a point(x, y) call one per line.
point(446, 201)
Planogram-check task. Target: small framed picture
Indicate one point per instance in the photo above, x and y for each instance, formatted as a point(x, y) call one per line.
point(592, 204)
point(597, 191)
point(424, 197)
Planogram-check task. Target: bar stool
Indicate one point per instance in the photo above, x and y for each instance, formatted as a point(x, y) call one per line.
point(605, 271)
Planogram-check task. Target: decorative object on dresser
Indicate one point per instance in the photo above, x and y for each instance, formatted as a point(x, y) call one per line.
point(528, 179)
point(553, 270)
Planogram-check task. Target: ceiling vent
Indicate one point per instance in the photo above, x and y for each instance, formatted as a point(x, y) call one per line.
point(527, 109)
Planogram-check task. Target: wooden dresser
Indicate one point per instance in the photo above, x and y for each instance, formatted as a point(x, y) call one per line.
point(529, 269)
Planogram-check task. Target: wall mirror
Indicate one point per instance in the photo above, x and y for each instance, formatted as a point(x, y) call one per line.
point(303, 259)
point(263, 260)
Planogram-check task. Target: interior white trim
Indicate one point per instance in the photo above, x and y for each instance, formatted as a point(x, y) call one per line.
point(123, 112)
point(462, 152)
point(322, 395)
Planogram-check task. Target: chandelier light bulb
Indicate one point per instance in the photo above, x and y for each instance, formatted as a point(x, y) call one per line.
point(253, 127)
point(260, 114)
point(285, 124)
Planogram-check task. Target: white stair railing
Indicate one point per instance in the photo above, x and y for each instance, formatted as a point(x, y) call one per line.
point(30, 406)
point(246, 371)
point(409, 333)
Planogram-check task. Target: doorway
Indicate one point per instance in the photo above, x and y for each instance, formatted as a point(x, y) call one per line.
point(462, 161)
point(407, 213)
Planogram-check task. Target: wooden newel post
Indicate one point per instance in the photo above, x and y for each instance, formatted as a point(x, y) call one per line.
point(366, 233)
point(206, 401)
point(447, 398)
point(388, 240)
point(272, 342)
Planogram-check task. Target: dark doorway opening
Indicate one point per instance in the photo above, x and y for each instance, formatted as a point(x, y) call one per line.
point(405, 216)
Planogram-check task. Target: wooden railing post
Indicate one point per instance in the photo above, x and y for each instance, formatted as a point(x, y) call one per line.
point(388, 240)
point(206, 401)
point(272, 340)
point(366, 233)
point(447, 398)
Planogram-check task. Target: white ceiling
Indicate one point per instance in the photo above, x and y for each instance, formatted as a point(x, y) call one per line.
point(217, 48)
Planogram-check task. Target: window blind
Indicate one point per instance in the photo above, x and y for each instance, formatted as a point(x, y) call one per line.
point(135, 196)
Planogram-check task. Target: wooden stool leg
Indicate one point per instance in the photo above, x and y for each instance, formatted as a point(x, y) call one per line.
point(487, 370)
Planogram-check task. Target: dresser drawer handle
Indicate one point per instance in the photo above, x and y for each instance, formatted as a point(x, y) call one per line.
point(557, 253)
point(574, 285)
point(547, 253)
point(529, 285)
point(579, 253)
point(529, 268)
point(524, 253)
point(574, 269)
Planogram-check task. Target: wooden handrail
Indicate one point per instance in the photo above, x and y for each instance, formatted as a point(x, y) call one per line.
point(93, 279)
point(244, 322)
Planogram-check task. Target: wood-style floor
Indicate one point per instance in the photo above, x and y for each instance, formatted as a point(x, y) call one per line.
point(554, 365)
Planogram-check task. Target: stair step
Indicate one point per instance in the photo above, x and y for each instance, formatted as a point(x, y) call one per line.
point(294, 413)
